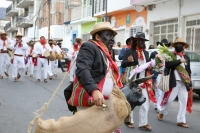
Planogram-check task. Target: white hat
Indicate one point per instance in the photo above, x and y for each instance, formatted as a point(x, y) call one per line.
point(19, 34)
point(3, 32)
point(102, 26)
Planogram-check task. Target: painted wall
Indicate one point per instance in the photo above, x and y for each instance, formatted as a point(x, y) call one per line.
point(128, 19)
point(170, 10)
point(87, 27)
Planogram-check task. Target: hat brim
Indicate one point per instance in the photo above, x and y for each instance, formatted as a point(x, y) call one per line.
point(100, 29)
point(19, 35)
point(3, 34)
point(185, 44)
point(140, 38)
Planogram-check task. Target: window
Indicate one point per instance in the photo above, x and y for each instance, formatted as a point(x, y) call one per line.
point(134, 30)
point(87, 8)
point(165, 29)
point(99, 6)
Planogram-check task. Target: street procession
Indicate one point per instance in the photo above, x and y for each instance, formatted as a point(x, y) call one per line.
point(85, 66)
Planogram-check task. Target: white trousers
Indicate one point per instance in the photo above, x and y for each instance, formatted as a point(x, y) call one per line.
point(182, 93)
point(18, 64)
point(30, 64)
point(72, 71)
point(143, 111)
point(40, 62)
point(159, 94)
point(54, 66)
point(4, 59)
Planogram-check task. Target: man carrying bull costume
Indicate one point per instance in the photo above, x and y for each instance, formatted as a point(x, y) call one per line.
point(42, 60)
point(137, 55)
point(31, 62)
point(4, 57)
point(95, 68)
point(19, 47)
point(180, 74)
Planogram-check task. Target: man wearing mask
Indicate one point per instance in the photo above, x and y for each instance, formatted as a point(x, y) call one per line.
point(4, 57)
point(42, 61)
point(137, 55)
point(179, 88)
point(19, 47)
point(31, 61)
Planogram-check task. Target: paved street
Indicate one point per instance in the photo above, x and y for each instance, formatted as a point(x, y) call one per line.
point(19, 100)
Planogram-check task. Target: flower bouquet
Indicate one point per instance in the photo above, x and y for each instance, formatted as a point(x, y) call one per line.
point(160, 63)
point(169, 56)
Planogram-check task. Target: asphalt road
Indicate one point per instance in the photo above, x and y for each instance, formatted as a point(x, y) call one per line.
point(19, 101)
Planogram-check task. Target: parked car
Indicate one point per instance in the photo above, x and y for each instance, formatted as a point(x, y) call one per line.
point(194, 65)
point(117, 51)
point(65, 59)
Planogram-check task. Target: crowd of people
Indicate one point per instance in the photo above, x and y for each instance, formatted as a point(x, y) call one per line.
point(93, 72)
point(24, 57)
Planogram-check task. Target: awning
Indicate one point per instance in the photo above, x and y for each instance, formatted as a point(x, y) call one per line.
point(84, 20)
point(66, 23)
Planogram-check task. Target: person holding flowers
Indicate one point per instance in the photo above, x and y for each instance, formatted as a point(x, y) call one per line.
point(158, 73)
point(180, 83)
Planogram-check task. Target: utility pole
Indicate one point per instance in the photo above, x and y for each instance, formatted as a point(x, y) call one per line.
point(106, 3)
point(49, 8)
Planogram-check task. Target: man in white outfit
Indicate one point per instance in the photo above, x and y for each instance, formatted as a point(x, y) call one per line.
point(19, 47)
point(72, 55)
point(53, 64)
point(30, 62)
point(179, 88)
point(41, 60)
point(4, 57)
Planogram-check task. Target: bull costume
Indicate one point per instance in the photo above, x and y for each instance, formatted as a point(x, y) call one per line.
point(157, 76)
point(134, 56)
point(4, 56)
point(19, 47)
point(177, 85)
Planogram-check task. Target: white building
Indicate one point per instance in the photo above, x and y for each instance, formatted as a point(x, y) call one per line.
point(173, 18)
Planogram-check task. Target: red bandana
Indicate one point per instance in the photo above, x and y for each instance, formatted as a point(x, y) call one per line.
point(20, 44)
point(180, 54)
point(4, 41)
point(114, 67)
point(139, 53)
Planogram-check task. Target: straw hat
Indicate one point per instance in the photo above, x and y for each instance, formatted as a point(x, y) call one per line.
point(3, 32)
point(102, 26)
point(180, 40)
point(19, 34)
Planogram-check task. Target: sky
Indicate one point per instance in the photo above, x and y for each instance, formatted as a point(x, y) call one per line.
point(4, 3)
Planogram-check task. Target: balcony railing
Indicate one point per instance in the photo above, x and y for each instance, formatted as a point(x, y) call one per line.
point(24, 20)
point(24, 3)
point(8, 25)
point(9, 8)
point(73, 3)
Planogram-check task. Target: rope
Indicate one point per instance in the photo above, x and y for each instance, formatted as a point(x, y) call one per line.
point(44, 108)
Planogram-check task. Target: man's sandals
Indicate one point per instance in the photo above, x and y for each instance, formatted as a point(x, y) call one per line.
point(15, 79)
point(45, 80)
point(129, 125)
point(1, 77)
point(146, 127)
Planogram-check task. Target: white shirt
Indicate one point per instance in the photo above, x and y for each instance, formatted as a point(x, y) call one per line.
point(177, 76)
point(2, 46)
point(70, 54)
point(54, 48)
point(140, 62)
point(19, 50)
point(40, 49)
point(58, 49)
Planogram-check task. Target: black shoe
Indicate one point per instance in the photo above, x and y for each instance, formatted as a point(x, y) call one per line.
point(63, 71)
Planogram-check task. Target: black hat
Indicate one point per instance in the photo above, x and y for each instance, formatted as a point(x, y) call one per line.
point(164, 41)
point(140, 35)
point(127, 40)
